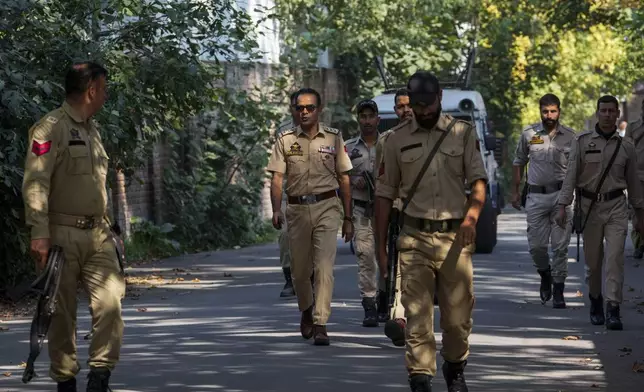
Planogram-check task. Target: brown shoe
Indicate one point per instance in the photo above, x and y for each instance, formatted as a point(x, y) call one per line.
point(306, 323)
point(321, 337)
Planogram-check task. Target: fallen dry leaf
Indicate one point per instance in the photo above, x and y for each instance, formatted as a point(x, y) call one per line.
point(196, 280)
point(638, 367)
point(594, 386)
point(579, 294)
point(6, 374)
point(2, 329)
point(142, 310)
point(630, 288)
point(626, 349)
point(572, 337)
point(23, 364)
point(179, 270)
point(227, 275)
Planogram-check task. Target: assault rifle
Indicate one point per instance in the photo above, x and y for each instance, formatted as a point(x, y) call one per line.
point(371, 189)
point(392, 257)
point(46, 285)
point(577, 219)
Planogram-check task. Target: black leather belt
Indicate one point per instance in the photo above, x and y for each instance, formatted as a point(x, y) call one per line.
point(433, 226)
point(311, 199)
point(361, 203)
point(614, 194)
point(545, 189)
point(80, 222)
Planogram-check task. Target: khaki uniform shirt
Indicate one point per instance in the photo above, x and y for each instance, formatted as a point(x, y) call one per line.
point(441, 193)
point(312, 165)
point(363, 159)
point(548, 157)
point(589, 156)
point(380, 146)
point(65, 170)
point(635, 132)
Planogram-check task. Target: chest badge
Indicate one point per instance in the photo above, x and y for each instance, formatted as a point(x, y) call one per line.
point(75, 134)
point(536, 139)
point(295, 149)
point(592, 145)
point(355, 153)
point(327, 149)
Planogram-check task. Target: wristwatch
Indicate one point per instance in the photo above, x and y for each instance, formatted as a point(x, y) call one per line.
point(349, 218)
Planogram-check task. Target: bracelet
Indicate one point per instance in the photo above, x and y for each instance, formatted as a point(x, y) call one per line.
point(348, 218)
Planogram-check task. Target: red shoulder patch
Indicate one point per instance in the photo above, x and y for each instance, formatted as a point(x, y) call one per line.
point(345, 149)
point(41, 148)
point(381, 170)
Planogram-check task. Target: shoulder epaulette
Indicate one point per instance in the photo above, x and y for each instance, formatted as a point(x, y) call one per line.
point(352, 140)
point(567, 128)
point(530, 127)
point(286, 132)
point(400, 125)
point(583, 133)
point(330, 130)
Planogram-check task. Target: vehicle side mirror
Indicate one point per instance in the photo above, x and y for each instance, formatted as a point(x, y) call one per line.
point(490, 142)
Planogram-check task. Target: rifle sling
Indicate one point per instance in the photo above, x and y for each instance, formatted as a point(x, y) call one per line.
point(601, 181)
point(414, 186)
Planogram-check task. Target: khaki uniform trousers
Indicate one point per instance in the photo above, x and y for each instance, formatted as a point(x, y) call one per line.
point(365, 247)
point(90, 257)
point(312, 236)
point(607, 221)
point(285, 250)
point(426, 269)
point(541, 211)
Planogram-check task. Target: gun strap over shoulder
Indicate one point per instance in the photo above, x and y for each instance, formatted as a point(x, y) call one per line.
point(414, 186)
point(601, 180)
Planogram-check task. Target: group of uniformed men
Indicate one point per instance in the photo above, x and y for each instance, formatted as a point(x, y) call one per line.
point(420, 167)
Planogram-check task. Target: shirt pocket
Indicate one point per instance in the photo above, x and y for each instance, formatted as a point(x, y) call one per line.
point(453, 158)
point(409, 155)
point(326, 161)
point(538, 152)
point(563, 153)
point(296, 164)
point(80, 161)
point(592, 162)
point(102, 160)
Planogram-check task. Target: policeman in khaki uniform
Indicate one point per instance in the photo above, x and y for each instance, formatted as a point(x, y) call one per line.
point(313, 159)
point(362, 152)
point(546, 145)
point(66, 205)
point(635, 132)
point(395, 323)
point(439, 228)
point(608, 220)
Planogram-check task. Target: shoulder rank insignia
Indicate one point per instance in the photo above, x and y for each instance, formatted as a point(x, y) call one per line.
point(295, 149)
point(52, 119)
point(331, 130)
point(536, 139)
point(75, 134)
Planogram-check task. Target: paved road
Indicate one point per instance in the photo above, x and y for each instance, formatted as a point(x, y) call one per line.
point(230, 332)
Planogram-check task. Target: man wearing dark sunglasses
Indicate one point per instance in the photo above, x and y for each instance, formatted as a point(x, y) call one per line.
point(314, 161)
point(427, 165)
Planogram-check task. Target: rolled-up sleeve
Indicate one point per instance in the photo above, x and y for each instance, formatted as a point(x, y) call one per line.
point(277, 163)
point(568, 187)
point(521, 152)
point(388, 173)
point(635, 191)
point(473, 162)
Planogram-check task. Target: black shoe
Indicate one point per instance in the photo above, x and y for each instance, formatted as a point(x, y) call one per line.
point(638, 253)
point(558, 301)
point(545, 290)
point(98, 380)
point(395, 330)
point(596, 310)
point(370, 312)
point(383, 307)
point(454, 377)
point(420, 382)
point(613, 321)
point(288, 290)
point(67, 386)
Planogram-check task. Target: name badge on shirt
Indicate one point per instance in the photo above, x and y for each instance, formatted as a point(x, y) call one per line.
point(327, 150)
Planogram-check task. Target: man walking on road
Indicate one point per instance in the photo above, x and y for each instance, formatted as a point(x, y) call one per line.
point(314, 161)
point(66, 205)
point(601, 166)
point(426, 164)
point(546, 146)
point(635, 132)
point(396, 321)
point(362, 152)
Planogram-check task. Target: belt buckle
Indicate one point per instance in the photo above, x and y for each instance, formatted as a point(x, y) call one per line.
point(599, 197)
point(308, 199)
point(87, 222)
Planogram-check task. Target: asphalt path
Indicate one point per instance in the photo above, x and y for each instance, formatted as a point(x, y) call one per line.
point(215, 322)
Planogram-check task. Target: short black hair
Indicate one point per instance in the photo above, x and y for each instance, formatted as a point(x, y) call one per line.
point(308, 90)
point(607, 99)
point(293, 98)
point(423, 82)
point(80, 75)
point(401, 92)
point(548, 100)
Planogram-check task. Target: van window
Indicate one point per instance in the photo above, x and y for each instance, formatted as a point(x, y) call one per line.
point(386, 124)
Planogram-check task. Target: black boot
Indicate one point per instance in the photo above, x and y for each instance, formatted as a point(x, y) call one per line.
point(420, 382)
point(370, 312)
point(395, 330)
point(454, 377)
point(288, 290)
point(67, 386)
point(98, 380)
point(638, 253)
point(545, 291)
point(558, 301)
point(383, 307)
point(613, 321)
point(596, 310)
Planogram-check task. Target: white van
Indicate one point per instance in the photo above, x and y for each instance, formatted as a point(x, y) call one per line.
point(467, 105)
